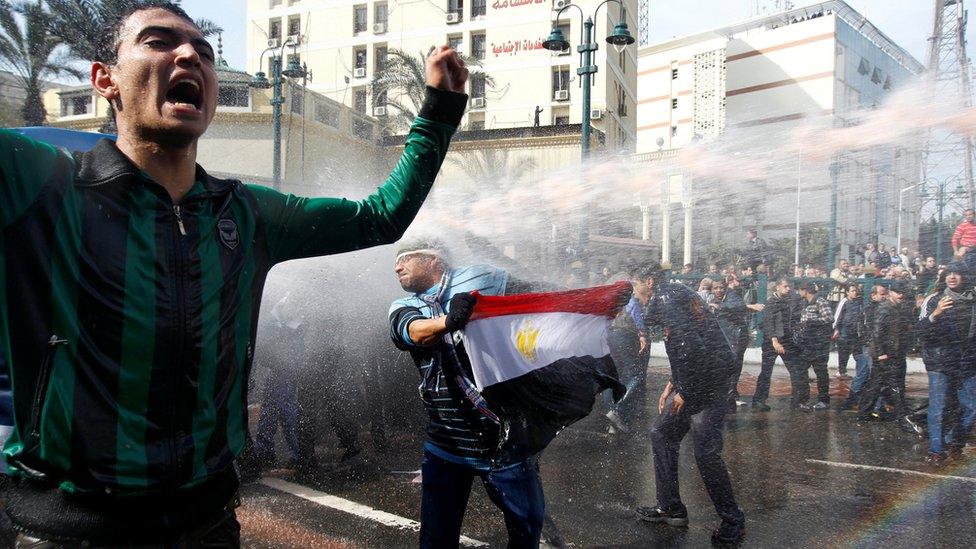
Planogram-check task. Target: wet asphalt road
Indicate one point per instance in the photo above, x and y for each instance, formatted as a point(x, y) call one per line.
point(594, 481)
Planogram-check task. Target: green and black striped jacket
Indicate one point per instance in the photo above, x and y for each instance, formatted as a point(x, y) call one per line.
point(129, 321)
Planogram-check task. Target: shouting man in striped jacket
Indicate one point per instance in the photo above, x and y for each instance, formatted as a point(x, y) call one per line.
point(130, 282)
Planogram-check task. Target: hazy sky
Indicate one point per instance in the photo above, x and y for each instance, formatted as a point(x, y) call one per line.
point(907, 22)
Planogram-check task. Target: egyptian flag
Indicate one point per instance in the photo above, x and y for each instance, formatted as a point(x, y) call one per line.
point(539, 360)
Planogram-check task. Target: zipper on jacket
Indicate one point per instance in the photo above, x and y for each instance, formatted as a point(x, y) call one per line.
point(176, 371)
point(40, 392)
point(179, 219)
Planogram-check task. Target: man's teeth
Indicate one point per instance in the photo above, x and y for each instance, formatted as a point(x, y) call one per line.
point(190, 82)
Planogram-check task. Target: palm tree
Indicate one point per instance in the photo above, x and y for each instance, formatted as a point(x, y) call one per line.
point(401, 84)
point(32, 54)
point(492, 169)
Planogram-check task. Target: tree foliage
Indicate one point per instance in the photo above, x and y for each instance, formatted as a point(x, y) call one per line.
point(31, 53)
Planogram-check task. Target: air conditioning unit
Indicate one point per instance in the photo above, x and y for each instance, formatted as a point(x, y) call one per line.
point(274, 43)
point(359, 72)
point(562, 95)
point(295, 39)
point(454, 17)
point(477, 102)
point(379, 28)
point(560, 4)
point(379, 111)
point(596, 114)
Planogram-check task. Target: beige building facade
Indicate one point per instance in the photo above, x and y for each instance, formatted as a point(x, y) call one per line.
point(345, 43)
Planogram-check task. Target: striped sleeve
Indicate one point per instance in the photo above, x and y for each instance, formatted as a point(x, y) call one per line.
point(400, 320)
point(25, 166)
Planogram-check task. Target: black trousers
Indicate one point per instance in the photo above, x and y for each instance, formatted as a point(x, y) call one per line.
point(886, 383)
point(706, 432)
point(800, 377)
point(846, 348)
point(769, 356)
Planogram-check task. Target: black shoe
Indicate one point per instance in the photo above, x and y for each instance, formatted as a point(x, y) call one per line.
point(729, 533)
point(656, 514)
point(760, 407)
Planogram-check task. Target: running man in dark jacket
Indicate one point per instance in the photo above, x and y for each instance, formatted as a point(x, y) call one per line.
point(733, 318)
point(890, 341)
point(130, 310)
point(696, 399)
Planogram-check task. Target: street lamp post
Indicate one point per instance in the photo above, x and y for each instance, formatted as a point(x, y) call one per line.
point(832, 237)
point(619, 38)
point(260, 81)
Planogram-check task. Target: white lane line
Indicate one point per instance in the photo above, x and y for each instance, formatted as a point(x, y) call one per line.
point(890, 470)
point(353, 508)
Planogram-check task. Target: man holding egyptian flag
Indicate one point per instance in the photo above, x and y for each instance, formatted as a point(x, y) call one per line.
point(524, 367)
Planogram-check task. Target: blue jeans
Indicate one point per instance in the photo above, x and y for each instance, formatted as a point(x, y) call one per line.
point(941, 385)
point(516, 490)
point(862, 363)
point(278, 406)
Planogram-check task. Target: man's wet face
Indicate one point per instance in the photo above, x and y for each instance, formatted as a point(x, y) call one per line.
point(783, 289)
point(164, 78)
point(953, 280)
point(879, 293)
point(718, 290)
point(970, 215)
point(415, 272)
point(853, 293)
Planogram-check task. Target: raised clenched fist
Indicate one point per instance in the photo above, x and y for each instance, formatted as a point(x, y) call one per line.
point(445, 70)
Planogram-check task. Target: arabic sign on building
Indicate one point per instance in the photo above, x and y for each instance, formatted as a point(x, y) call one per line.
point(501, 4)
point(512, 47)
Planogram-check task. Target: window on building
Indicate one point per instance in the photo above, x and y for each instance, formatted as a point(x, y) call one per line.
point(622, 61)
point(674, 74)
point(359, 100)
point(560, 120)
point(380, 14)
point(876, 76)
point(674, 131)
point(362, 128)
point(297, 100)
point(863, 67)
point(478, 46)
point(479, 8)
point(359, 18)
point(477, 85)
point(274, 3)
point(475, 125)
point(887, 83)
point(674, 103)
point(560, 83)
point(359, 58)
point(74, 105)
point(274, 29)
point(233, 96)
point(296, 57)
point(379, 59)
point(455, 6)
point(621, 101)
point(566, 29)
point(454, 41)
point(295, 25)
point(327, 113)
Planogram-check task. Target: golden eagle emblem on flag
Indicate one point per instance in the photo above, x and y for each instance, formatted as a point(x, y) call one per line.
point(525, 340)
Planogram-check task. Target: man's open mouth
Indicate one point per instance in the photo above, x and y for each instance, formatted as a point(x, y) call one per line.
point(185, 93)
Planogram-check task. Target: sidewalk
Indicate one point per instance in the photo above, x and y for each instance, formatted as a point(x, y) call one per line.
point(754, 356)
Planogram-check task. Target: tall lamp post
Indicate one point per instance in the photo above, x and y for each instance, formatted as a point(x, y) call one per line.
point(260, 81)
point(619, 38)
point(943, 196)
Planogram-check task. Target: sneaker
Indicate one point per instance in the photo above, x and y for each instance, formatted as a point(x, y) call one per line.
point(805, 407)
point(729, 533)
point(616, 421)
point(820, 406)
point(968, 449)
point(760, 407)
point(741, 403)
point(656, 514)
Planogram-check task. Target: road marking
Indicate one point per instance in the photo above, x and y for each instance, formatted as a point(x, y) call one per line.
point(891, 470)
point(353, 508)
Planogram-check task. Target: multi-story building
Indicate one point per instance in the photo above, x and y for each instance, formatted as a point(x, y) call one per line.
point(748, 89)
point(345, 44)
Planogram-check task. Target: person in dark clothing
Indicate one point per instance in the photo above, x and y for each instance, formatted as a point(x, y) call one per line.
point(733, 318)
point(879, 294)
point(812, 335)
point(778, 315)
point(628, 348)
point(946, 320)
point(884, 257)
point(890, 340)
point(849, 333)
point(696, 399)
point(758, 250)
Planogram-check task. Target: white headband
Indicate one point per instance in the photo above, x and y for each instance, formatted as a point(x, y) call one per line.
point(423, 251)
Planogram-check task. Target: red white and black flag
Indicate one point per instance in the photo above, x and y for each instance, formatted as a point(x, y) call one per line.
point(539, 360)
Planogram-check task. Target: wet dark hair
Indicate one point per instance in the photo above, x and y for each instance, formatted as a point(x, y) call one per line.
point(108, 50)
point(650, 270)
